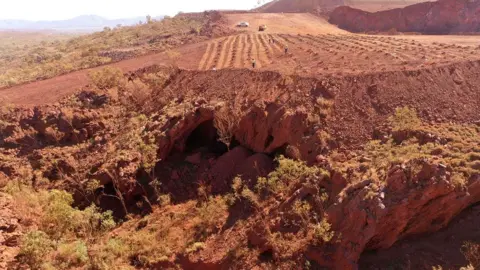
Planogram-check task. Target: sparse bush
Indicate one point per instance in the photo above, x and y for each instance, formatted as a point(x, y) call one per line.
point(195, 247)
point(69, 255)
point(104, 258)
point(322, 231)
point(107, 78)
point(404, 119)
point(59, 216)
point(93, 222)
point(212, 215)
point(302, 209)
point(288, 171)
point(35, 246)
point(241, 192)
point(146, 248)
point(55, 215)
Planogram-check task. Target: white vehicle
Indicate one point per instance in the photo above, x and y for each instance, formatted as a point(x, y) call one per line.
point(243, 24)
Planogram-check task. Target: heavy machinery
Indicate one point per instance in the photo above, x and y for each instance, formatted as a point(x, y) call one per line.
point(262, 28)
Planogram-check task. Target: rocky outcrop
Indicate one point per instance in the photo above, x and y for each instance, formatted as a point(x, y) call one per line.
point(265, 130)
point(440, 17)
point(10, 231)
point(368, 216)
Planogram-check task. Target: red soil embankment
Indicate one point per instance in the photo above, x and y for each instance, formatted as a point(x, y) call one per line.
point(441, 17)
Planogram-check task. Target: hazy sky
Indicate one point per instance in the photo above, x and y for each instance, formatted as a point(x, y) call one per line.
point(66, 9)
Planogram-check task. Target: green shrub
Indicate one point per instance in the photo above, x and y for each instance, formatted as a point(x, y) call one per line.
point(71, 255)
point(287, 172)
point(56, 215)
point(211, 214)
point(404, 118)
point(322, 232)
point(107, 78)
point(104, 258)
point(195, 247)
point(34, 248)
point(92, 221)
point(59, 216)
point(147, 248)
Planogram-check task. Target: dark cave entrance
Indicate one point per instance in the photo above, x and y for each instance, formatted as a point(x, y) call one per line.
point(204, 138)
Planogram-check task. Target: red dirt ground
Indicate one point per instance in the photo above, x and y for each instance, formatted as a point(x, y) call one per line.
point(320, 50)
point(364, 78)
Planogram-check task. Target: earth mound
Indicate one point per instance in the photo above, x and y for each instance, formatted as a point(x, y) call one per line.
point(441, 17)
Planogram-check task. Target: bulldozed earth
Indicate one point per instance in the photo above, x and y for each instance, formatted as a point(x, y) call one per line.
point(337, 155)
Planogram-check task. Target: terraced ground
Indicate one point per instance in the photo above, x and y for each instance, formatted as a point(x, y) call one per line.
point(238, 51)
point(331, 53)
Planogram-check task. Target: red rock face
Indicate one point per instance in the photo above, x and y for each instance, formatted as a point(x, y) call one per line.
point(441, 17)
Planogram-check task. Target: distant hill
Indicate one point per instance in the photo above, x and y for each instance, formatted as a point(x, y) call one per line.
point(84, 22)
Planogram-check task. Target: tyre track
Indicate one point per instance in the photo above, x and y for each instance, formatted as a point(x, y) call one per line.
point(267, 50)
point(230, 52)
point(240, 59)
point(249, 51)
point(206, 56)
point(213, 54)
point(282, 42)
point(218, 51)
point(223, 52)
point(256, 51)
point(277, 45)
point(235, 52)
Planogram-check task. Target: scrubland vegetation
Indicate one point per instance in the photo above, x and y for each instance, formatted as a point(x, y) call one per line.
point(153, 229)
point(30, 57)
point(452, 145)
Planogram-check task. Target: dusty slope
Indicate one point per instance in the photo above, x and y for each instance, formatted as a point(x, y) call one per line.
point(378, 5)
point(292, 6)
point(441, 17)
point(321, 6)
point(295, 23)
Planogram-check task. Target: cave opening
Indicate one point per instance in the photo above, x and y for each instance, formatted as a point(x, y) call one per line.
point(205, 138)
